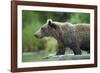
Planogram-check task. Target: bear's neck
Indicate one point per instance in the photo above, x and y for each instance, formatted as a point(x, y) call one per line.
point(62, 32)
point(58, 36)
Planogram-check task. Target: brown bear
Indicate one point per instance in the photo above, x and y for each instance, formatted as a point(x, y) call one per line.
point(75, 37)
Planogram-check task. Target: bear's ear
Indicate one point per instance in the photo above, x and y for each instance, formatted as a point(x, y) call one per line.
point(49, 21)
point(51, 24)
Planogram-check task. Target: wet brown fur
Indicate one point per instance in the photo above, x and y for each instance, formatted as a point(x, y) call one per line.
point(75, 37)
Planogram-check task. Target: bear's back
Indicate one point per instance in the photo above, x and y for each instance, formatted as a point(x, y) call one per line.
point(82, 27)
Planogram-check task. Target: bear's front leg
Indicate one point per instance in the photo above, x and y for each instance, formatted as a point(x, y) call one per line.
point(60, 50)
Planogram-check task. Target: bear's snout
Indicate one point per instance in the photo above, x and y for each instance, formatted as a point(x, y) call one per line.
point(36, 35)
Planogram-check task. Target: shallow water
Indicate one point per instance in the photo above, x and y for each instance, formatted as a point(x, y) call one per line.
point(44, 56)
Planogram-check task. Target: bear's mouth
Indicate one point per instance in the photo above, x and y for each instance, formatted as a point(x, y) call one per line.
point(37, 36)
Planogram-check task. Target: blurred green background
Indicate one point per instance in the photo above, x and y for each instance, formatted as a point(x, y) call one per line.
point(33, 20)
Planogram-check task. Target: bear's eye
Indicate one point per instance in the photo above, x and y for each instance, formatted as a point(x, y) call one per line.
point(42, 28)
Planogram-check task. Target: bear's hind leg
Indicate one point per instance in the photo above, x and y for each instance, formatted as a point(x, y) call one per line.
point(88, 51)
point(77, 51)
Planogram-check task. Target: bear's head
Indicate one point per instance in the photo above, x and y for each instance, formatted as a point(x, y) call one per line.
point(48, 29)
